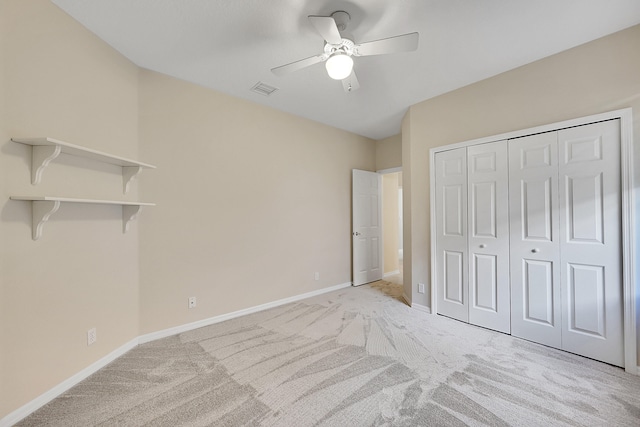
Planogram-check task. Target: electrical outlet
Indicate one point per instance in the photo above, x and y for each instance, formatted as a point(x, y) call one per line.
point(92, 336)
point(421, 288)
point(316, 275)
point(192, 302)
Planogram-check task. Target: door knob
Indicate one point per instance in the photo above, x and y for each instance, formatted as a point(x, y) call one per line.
point(356, 234)
point(535, 250)
point(483, 246)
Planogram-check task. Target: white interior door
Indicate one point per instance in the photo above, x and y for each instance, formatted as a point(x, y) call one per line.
point(590, 244)
point(535, 243)
point(451, 234)
point(488, 203)
point(367, 226)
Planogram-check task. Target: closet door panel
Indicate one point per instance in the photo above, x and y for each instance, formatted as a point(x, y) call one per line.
point(585, 301)
point(454, 283)
point(488, 206)
point(535, 270)
point(485, 283)
point(538, 295)
point(451, 234)
point(537, 209)
point(589, 170)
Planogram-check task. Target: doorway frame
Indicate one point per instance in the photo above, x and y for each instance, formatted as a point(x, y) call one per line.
point(628, 214)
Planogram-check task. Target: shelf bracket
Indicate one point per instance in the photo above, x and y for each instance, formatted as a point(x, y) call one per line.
point(129, 213)
point(129, 173)
point(41, 156)
point(41, 211)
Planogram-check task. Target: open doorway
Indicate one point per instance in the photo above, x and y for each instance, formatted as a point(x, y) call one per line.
point(392, 226)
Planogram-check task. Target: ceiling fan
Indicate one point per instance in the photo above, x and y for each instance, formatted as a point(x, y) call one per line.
point(338, 50)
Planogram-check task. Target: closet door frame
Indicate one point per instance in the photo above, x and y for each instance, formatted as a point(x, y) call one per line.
point(628, 214)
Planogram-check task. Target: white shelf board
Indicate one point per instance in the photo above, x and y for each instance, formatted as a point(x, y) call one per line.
point(42, 207)
point(45, 149)
point(71, 200)
point(77, 150)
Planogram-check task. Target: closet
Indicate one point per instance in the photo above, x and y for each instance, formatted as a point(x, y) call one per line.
point(528, 238)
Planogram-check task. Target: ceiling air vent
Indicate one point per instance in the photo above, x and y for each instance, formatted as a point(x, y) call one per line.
point(263, 89)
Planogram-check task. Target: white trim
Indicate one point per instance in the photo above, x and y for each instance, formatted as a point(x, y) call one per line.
point(228, 316)
point(390, 170)
point(421, 307)
point(65, 385)
point(56, 391)
point(616, 114)
point(628, 240)
point(391, 273)
point(433, 229)
point(628, 213)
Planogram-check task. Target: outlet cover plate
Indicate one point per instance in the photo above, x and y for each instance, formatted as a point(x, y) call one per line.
point(92, 336)
point(192, 302)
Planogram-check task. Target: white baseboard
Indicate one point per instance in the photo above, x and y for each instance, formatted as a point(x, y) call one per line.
point(56, 391)
point(391, 273)
point(228, 316)
point(421, 307)
point(418, 307)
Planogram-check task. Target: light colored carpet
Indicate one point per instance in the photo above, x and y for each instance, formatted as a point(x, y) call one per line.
point(354, 357)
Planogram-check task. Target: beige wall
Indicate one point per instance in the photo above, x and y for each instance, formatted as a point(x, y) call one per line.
point(251, 202)
point(390, 214)
point(593, 78)
point(389, 153)
point(59, 80)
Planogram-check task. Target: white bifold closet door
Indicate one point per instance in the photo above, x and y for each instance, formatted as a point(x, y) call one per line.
point(565, 240)
point(488, 195)
point(535, 243)
point(528, 238)
point(451, 234)
point(472, 241)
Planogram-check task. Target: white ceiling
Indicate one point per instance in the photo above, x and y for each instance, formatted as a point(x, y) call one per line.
point(230, 45)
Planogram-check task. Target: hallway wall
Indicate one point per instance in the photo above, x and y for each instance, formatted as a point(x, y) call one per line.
point(390, 217)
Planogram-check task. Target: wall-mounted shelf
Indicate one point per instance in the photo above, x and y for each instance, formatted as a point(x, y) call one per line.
point(45, 149)
point(43, 207)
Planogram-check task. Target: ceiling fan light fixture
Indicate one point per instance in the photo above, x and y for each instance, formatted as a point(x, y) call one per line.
point(339, 66)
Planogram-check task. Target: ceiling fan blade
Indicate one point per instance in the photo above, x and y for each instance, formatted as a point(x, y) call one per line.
point(350, 83)
point(327, 28)
point(403, 43)
point(298, 65)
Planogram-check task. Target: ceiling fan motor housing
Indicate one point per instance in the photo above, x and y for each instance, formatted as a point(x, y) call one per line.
point(342, 19)
point(346, 46)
